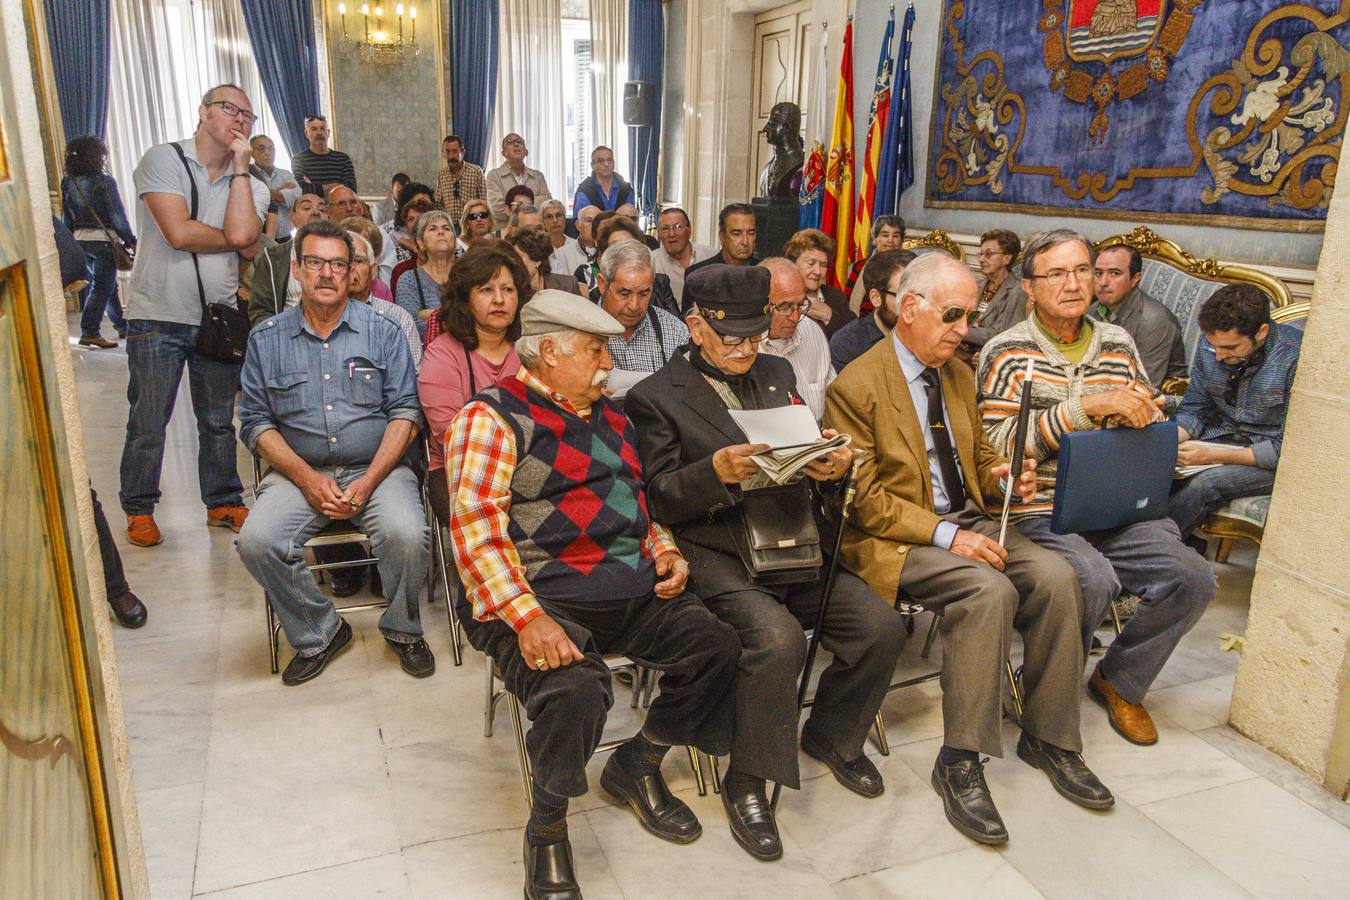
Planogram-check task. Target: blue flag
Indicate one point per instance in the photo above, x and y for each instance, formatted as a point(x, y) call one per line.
point(895, 169)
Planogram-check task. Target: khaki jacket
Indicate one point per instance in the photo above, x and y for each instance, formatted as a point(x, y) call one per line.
point(893, 509)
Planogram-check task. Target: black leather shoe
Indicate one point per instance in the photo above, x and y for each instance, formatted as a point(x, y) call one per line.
point(548, 872)
point(129, 610)
point(376, 582)
point(1067, 772)
point(752, 824)
point(346, 582)
point(859, 775)
point(415, 658)
point(302, 668)
point(659, 811)
point(966, 800)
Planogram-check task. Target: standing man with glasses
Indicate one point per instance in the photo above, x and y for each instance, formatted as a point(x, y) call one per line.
point(677, 251)
point(176, 253)
point(330, 404)
point(458, 181)
point(698, 468)
point(511, 173)
point(281, 184)
point(320, 165)
point(1088, 375)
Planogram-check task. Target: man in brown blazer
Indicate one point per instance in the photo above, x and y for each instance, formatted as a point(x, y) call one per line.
point(919, 529)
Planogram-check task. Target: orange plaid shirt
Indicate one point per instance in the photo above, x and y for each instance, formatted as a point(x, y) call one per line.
point(480, 459)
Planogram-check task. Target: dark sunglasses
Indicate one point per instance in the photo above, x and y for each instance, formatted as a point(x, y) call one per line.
point(476, 217)
point(950, 314)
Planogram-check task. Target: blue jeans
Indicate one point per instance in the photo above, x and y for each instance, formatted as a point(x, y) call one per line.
point(1174, 584)
point(1194, 499)
point(101, 292)
point(272, 542)
point(156, 355)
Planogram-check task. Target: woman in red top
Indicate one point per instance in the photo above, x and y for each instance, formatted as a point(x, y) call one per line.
point(479, 321)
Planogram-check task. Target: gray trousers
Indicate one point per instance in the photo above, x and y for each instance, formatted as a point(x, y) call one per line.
point(1036, 593)
point(1148, 559)
point(862, 632)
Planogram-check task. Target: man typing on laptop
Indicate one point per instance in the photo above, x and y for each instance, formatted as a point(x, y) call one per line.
point(1088, 375)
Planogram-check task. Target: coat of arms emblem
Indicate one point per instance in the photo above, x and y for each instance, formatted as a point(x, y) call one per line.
point(1106, 30)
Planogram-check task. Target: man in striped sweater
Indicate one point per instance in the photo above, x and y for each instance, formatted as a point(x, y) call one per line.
point(1088, 375)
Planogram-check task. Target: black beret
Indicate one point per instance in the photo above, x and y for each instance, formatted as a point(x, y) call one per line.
point(734, 300)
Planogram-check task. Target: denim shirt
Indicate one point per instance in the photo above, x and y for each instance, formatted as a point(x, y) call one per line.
point(331, 399)
point(1256, 420)
point(101, 191)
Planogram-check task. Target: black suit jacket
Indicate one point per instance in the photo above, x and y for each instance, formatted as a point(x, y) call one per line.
point(681, 423)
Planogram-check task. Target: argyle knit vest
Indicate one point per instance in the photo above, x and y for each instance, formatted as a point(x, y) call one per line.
point(578, 512)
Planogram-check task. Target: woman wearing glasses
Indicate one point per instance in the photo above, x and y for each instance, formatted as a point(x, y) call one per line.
point(1003, 302)
point(476, 223)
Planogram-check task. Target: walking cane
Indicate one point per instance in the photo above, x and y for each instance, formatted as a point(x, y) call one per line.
point(850, 489)
point(1019, 449)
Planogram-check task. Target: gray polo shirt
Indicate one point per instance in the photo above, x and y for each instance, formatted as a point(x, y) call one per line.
point(163, 283)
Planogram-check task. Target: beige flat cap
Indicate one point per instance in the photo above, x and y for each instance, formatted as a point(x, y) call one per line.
point(551, 310)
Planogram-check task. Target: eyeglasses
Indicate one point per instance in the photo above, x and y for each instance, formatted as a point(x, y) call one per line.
point(317, 263)
point(787, 309)
point(731, 340)
point(455, 187)
point(231, 110)
point(950, 314)
point(672, 228)
point(476, 217)
point(990, 254)
point(1057, 277)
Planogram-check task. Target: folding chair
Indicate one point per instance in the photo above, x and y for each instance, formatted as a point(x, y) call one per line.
point(615, 663)
point(334, 534)
point(440, 560)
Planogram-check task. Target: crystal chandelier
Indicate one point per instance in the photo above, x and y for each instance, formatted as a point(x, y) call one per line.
point(382, 41)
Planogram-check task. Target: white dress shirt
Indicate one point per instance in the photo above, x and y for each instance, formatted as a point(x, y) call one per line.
point(808, 352)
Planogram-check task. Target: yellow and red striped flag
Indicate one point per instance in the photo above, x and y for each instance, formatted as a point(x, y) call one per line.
point(836, 217)
point(876, 136)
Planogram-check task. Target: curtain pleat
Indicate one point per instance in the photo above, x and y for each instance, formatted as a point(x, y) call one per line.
point(282, 35)
point(530, 87)
point(473, 76)
point(646, 62)
point(609, 63)
point(78, 35)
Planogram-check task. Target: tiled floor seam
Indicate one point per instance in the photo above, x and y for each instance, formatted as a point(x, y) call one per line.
point(349, 862)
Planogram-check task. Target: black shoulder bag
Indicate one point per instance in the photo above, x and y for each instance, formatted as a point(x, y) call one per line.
point(223, 334)
point(122, 256)
point(780, 543)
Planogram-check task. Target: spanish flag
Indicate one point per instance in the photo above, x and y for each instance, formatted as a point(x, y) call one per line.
point(876, 136)
point(836, 218)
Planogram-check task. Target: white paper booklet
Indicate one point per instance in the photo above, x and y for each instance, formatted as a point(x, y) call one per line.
point(793, 437)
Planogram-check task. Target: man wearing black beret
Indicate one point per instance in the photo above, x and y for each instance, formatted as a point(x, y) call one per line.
point(698, 469)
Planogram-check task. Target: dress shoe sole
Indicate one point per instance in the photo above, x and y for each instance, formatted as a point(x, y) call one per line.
point(221, 523)
point(1086, 802)
point(980, 837)
point(330, 653)
point(761, 855)
point(810, 749)
point(155, 543)
point(1095, 693)
point(617, 793)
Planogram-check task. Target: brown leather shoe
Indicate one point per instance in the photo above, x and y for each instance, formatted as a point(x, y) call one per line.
point(231, 517)
point(142, 531)
point(98, 342)
point(1130, 720)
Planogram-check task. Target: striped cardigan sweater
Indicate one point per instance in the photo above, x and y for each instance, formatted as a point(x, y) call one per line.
point(1058, 387)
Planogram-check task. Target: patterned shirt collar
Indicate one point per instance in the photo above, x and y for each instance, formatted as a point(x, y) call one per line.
point(526, 377)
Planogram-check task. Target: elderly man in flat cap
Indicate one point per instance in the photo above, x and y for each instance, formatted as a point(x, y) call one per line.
point(562, 564)
point(699, 472)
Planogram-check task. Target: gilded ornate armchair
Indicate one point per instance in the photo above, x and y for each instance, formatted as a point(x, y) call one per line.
point(937, 239)
point(1182, 283)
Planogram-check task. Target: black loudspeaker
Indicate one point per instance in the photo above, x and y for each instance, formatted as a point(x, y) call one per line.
point(639, 103)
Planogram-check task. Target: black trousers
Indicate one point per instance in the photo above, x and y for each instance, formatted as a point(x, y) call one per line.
point(567, 707)
point(862, 632)
point(114, 578)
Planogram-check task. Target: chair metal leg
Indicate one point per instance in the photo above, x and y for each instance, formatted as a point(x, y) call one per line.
point(698, 771)
point(932, 633)
point(1221, 552)
point(716, 774)
point(490, 699)
point(1013, 688)
point(652, 677)
point(273, 638)
point(438, 544)
point(1115, 618)
point(880, 728)
point(640, 675)
point(522, 757)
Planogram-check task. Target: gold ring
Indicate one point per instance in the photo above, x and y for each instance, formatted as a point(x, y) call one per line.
point(541, 663)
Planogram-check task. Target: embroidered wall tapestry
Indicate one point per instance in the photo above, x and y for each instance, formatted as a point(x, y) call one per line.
point(1227, 112)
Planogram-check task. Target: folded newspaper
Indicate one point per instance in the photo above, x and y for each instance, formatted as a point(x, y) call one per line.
point(1188, 471)
point(793, 437)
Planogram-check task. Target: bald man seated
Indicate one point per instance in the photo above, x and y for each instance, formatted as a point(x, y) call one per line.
point(919, 530)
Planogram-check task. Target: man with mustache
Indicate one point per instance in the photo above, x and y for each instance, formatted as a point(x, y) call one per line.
point(699, 469)
point(330, 404)
point(561, 564)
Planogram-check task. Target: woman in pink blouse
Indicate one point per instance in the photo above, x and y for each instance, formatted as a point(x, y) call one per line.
point(479, 321)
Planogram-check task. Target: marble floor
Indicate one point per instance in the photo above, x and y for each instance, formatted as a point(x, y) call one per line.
point(368, 783)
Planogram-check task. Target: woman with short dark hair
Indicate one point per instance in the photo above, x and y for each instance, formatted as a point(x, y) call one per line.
point(91, 208)
point(479, 321)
